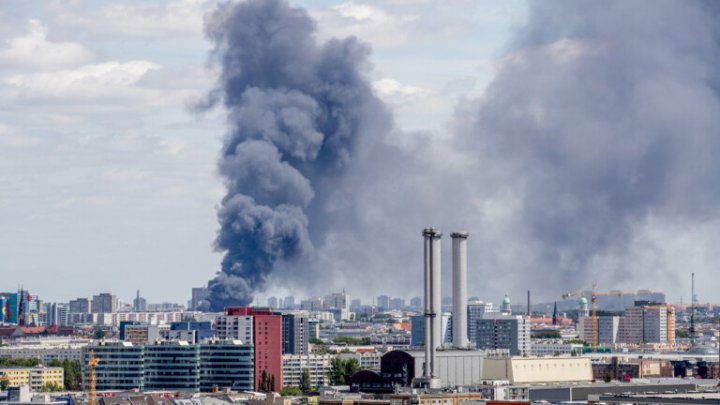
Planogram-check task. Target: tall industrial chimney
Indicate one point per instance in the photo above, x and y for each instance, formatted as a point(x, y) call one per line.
point(431, 238)
point(459, 280)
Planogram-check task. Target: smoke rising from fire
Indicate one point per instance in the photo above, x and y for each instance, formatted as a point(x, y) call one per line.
point(297, 108)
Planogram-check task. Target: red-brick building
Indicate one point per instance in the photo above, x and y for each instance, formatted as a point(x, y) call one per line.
point(267, 341)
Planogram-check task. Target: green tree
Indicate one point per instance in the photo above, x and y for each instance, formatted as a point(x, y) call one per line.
point(291, 391)
point(263, 381)
point(316, 341)
point(28, 362)
point(305, 382)
point(50, 387)
point(608, 377)
point(337, 371)
point(350, 367)
point(73, 373)
point(546, 334)
point(4, 383)
point(271, 383)
point(99, 334)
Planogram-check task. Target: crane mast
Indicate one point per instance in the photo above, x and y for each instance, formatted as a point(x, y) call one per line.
point(92, 378)
point(593, 308)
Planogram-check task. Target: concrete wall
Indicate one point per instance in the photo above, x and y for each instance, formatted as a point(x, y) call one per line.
point(523, 370)
point(455, 367)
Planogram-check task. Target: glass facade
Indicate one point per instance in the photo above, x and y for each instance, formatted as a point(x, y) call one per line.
point(226, 364)
point(172, 366)
point(120, 368)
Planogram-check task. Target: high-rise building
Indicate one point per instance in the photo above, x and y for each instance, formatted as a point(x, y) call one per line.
point(235, 327)
point(417, 329)
point(477, 310)
point(266, 338)
point(199, 299)
point(608, 328)
point(339, 300)
point(227, 364)
point(56, 314)
point(192, 332)
point(383, 302)
point(272, 303)
point(648, 323)
point(416, 303)
point(397, 304)
point(295, 333)
point(503, 331)
point(79, 306)
point(289, 302)
point(172, 366)
point(139, 303)
point(355, 305)
point(104, 303)
point(141, 334)
point(312, 304)
point(121, 366)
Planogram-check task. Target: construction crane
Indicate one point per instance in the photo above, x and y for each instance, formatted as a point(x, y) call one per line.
point(92, 379)
point(593, 294)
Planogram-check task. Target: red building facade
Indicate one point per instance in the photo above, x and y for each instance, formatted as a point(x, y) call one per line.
point(267, 341)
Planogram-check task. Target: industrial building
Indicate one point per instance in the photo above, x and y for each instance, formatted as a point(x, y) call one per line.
point(454, 367)
point(534, 370)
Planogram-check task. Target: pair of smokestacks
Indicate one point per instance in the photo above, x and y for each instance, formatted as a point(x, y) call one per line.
point(433, 302)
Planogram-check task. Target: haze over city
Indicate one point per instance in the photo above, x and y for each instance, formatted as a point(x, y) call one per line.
point(576, 142)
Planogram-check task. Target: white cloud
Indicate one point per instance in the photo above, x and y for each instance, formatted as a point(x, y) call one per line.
point(142, 20)
point(11, 138)
point(390, 88)
point(33, 51)
point(367, 22)
point(109, 82)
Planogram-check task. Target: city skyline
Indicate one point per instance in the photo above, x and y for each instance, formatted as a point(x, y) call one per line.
point(499, 122)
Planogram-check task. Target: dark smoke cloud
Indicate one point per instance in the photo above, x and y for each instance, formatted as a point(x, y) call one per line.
point(597, 139)
point(604, 116)
point(298, 111)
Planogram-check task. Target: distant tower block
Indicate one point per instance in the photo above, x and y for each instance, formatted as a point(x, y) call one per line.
point(459, 280)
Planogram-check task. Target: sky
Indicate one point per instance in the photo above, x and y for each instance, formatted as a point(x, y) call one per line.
point(109, 172)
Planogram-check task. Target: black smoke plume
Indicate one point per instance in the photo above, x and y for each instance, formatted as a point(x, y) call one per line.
point(298, 110)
